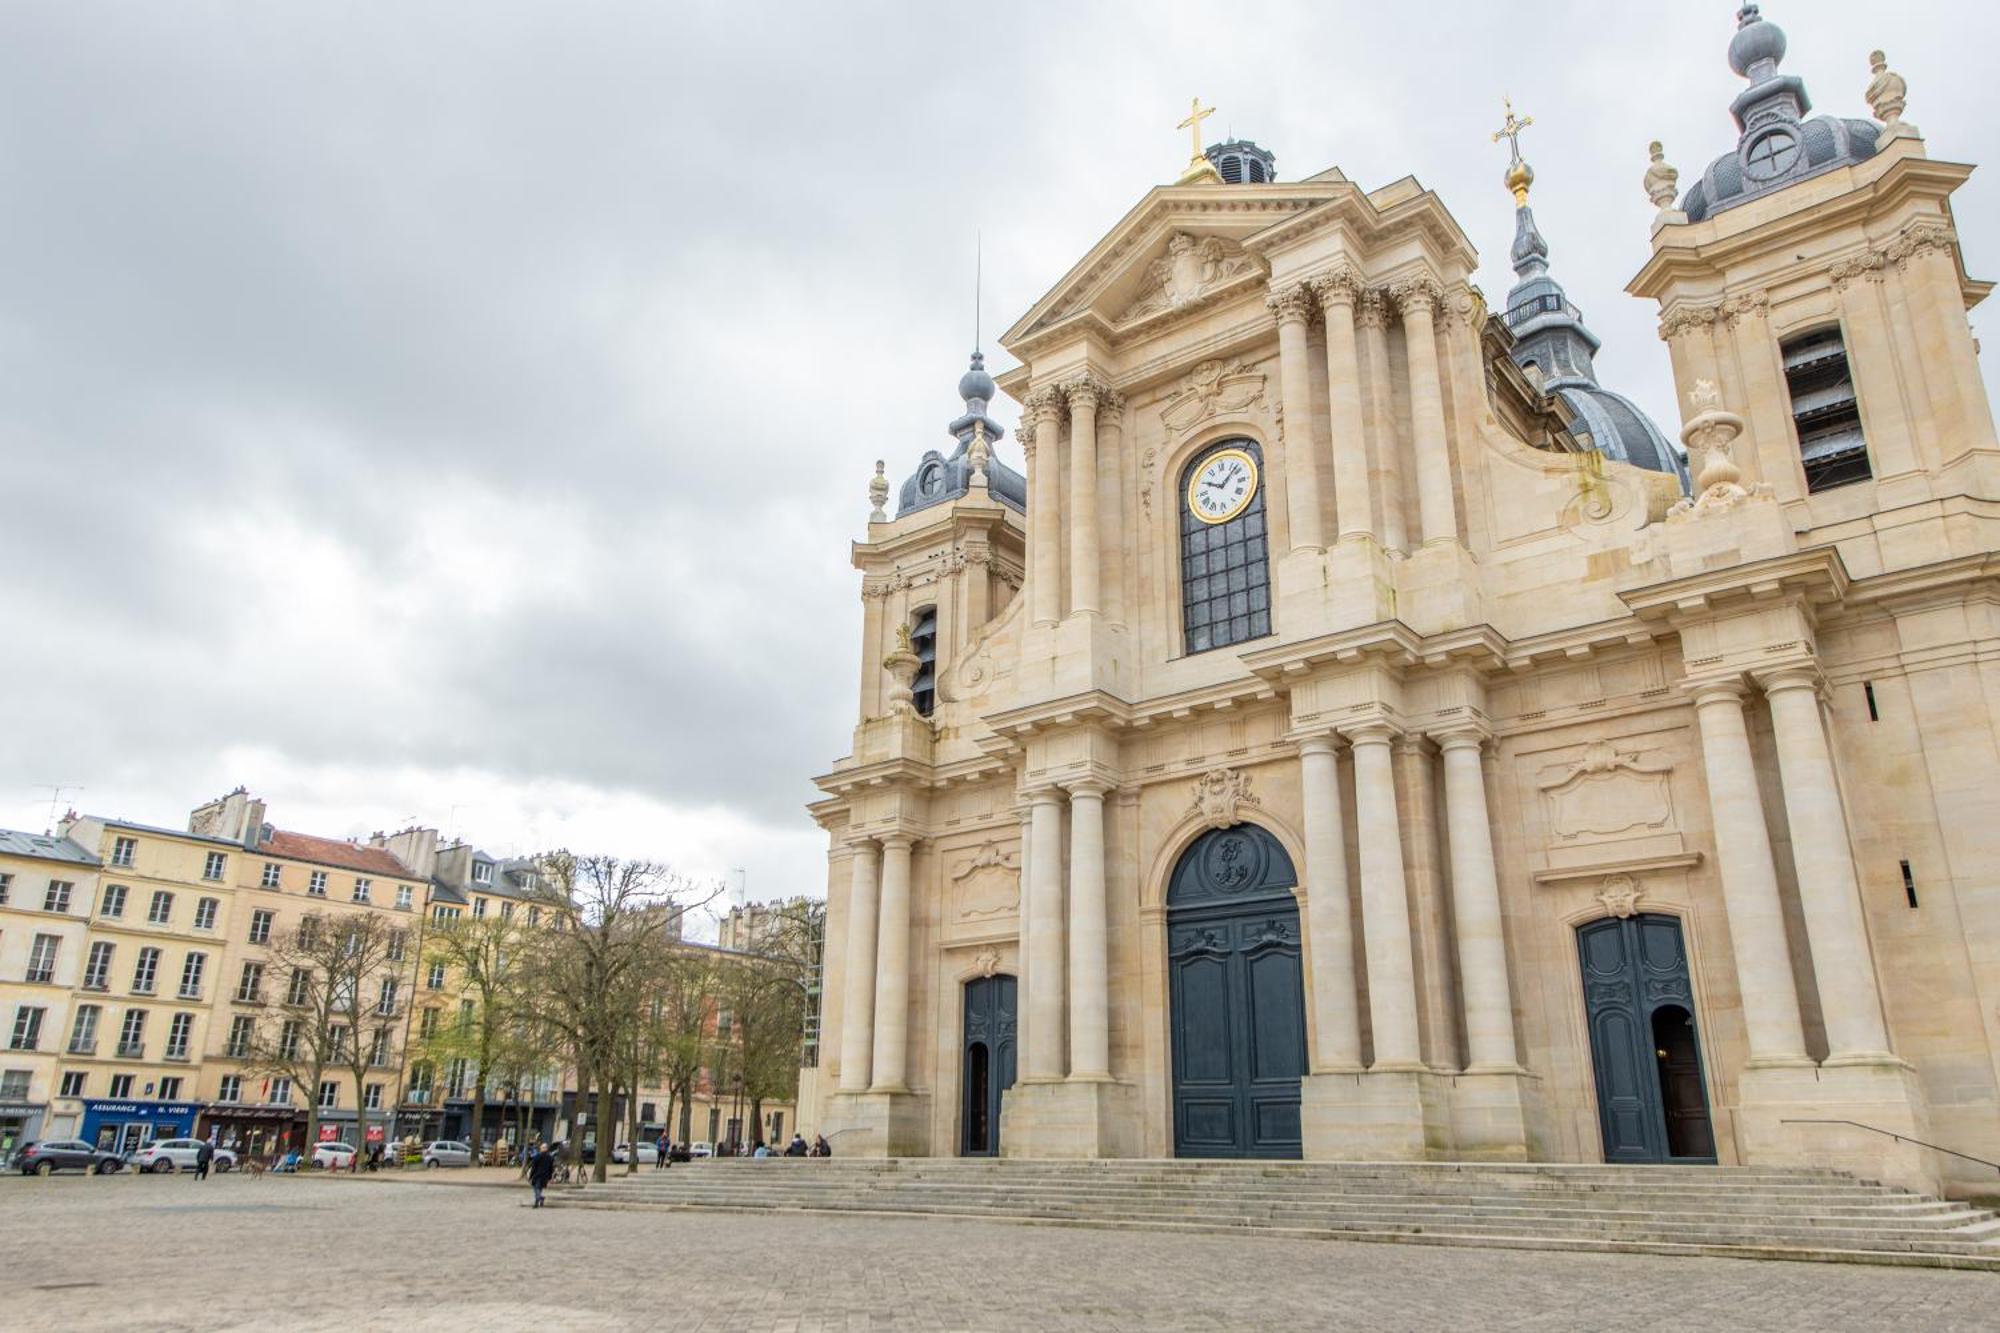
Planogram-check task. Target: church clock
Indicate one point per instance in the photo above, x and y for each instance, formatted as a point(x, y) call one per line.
point(1223, 487)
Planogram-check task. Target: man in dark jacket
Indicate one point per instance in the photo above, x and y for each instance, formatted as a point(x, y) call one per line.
point(541, 1171)
point(797, 1147)
point(203, 1155)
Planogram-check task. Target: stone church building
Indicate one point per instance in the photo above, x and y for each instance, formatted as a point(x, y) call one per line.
point(1354, 732)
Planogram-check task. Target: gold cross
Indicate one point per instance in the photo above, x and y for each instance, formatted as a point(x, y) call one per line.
point(1511, 131)
point(1196, 115)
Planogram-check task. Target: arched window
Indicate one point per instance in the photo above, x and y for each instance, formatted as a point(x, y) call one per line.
point(1225, 571)
point(923, 642)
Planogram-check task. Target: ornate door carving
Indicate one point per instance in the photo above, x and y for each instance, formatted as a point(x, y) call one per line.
point(1652, 1098)
point(1238, 998)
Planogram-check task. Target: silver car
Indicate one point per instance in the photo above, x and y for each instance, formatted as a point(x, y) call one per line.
point(447, 1152)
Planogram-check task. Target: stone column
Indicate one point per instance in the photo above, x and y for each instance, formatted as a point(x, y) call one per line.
point(1083, 549)
point(1329, 920)
point(1475, 900)
point(857, 991)
point(1046, 942)
point(1749, 880)
point(1089, 959)
point(1044, 510)
point(1872, 362)
point(1843, 962)
point(1111, 494)
point(1926, 255)
point(892, 969)
point(1353, 502)
point(1385, 902)
point(1293, 307)
point(1417, 299)
point(1385, 446)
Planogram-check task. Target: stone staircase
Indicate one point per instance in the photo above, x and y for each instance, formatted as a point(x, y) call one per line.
point(1725, 1211)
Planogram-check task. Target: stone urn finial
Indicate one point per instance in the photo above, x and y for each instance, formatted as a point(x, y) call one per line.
point(1710, 436)
point(978, 452)
point(902, 665)
point(1662, 179)
point(1886, 96)
point(878, 494)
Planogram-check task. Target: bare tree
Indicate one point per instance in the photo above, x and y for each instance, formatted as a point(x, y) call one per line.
point(612, 925)
point(477, 949)
point(763, 990)
point(332, 969)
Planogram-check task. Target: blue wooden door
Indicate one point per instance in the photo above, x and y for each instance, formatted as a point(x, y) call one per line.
point(1237, 998)
point(1652, 1098)
point(987, 1062)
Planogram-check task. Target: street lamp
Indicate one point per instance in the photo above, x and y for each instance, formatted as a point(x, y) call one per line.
point(736, 1121)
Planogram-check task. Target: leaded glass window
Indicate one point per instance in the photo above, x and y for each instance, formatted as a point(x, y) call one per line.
point(1225, 570)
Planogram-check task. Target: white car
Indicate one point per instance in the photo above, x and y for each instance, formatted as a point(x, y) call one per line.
point(447, 1152)
point(700, 1150)
point(649, 1154)
point(179, 1155)
point(333, 1156)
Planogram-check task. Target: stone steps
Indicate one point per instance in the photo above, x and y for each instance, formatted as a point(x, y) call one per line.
point(1679, 1210)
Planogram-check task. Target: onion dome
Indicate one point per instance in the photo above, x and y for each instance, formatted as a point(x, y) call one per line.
point(940, 477)
point(1777, 145)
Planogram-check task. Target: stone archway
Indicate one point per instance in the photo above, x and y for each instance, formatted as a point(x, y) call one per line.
point(1652, 1094)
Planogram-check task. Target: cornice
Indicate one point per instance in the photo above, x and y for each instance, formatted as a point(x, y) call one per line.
point(1819, 574)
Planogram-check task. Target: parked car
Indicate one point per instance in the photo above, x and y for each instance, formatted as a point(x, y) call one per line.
point(42, 1159)
point(700, 1150)
point(447, 1152)
point(179, 1155)
point(649, 1154)
point(333, 1156)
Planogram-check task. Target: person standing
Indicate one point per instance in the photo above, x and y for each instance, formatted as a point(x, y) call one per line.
point(204, 1153)
point(666, 1147)
point(541, 1171)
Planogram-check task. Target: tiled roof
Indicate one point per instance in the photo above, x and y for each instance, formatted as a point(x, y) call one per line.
point(332, 852)
point(44, 846)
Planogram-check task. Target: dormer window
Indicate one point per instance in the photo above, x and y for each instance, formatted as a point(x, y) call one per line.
point(482, 872)
point(923, 642)
point(1825, 411)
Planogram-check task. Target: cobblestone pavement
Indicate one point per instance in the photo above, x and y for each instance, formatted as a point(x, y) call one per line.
point(227, 1254)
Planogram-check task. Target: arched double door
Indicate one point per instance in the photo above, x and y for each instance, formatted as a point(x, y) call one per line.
point(1237, 997)
point(986, 1062)
point(1652, 1097)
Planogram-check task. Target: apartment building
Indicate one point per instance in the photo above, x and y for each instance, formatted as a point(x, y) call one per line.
point(46, 887)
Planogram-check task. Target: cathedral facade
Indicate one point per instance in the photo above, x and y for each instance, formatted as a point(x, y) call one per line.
point(1357, 733)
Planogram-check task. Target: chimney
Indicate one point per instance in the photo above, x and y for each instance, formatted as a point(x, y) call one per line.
point(416, 848)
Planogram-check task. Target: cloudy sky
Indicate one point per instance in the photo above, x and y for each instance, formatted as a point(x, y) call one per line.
point(459, 412)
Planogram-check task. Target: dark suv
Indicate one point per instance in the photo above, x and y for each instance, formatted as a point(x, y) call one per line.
point(41, 1159)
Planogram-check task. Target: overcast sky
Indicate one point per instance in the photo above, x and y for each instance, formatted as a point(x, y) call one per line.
point(459, 412)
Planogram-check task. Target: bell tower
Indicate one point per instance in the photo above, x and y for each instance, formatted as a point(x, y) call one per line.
point(1813, 277)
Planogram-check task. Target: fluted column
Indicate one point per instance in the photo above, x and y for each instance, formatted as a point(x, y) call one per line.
point(1354, 505)
point(1843, 962)
point(1047, 972)
point(1329, 915)
point(857, 991)
point(1083, 550)
point(1749, 879)
point(892, 969)
point(1089, 959)
point(1044, 509)
point(1417, 300)
point(1385, 901)
point(1475, 901)
point(1384, 446)
point(1293, 307)
point(1111, 501)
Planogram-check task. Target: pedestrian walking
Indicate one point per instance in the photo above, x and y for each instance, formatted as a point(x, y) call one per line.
point(541, 1171)
point(204, 1153)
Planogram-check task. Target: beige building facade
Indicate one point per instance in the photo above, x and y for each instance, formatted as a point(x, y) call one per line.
point(1352, 738)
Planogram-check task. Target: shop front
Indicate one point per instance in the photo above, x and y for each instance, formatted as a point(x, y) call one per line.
point(127, 1126)
point(254, 1130)
point(20, 1124)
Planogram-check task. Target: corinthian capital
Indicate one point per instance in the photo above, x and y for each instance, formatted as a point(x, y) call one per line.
point(1044, 404)
point(1683, 318)
point(1922, 237)
point(1084, 392)
point(1416, 296)
point(1343, 286)
point(1293, 304)
point(1847, 272)
point(1373, 311)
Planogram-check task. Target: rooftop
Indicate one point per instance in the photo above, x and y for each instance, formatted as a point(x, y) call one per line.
point(44, 846)
point(331, 852)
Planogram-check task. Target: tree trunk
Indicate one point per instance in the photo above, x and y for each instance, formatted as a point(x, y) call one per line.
point(479, 1118)
point(632, 1126)
point(312, 1118)
point(756, 1120)
point(360, 1128)
point(607, 1120)
point(578, 1117)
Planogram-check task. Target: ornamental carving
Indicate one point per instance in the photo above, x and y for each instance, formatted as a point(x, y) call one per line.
point(1218, 796)
point(1710, 437)
point(1291, 305)
point(988, 884)
point(1922, 237)
point(1373, 311)
point(1751, 305)
point(1413, 295)
point(1620, 896)
point(1192, 267)
point(1607, 793)
point(1343, 286)
point(1662, 180)
point(1868, 264)
point(1211, 388)
point(1684, 318)
point(986, 962)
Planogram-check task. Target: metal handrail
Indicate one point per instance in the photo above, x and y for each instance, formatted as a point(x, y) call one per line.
point(1900, 1138)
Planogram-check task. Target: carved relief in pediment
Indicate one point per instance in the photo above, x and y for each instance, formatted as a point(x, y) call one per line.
point(1606, 793)
point(1218, 796)
point(986, 885)
point(1212, 388)
point(1192, 267)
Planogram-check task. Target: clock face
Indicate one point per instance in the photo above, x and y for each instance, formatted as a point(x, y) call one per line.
point(1223, 487)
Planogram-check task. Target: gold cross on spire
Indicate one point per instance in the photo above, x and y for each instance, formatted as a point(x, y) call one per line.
point(1519, 174)
point(1196, 115)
